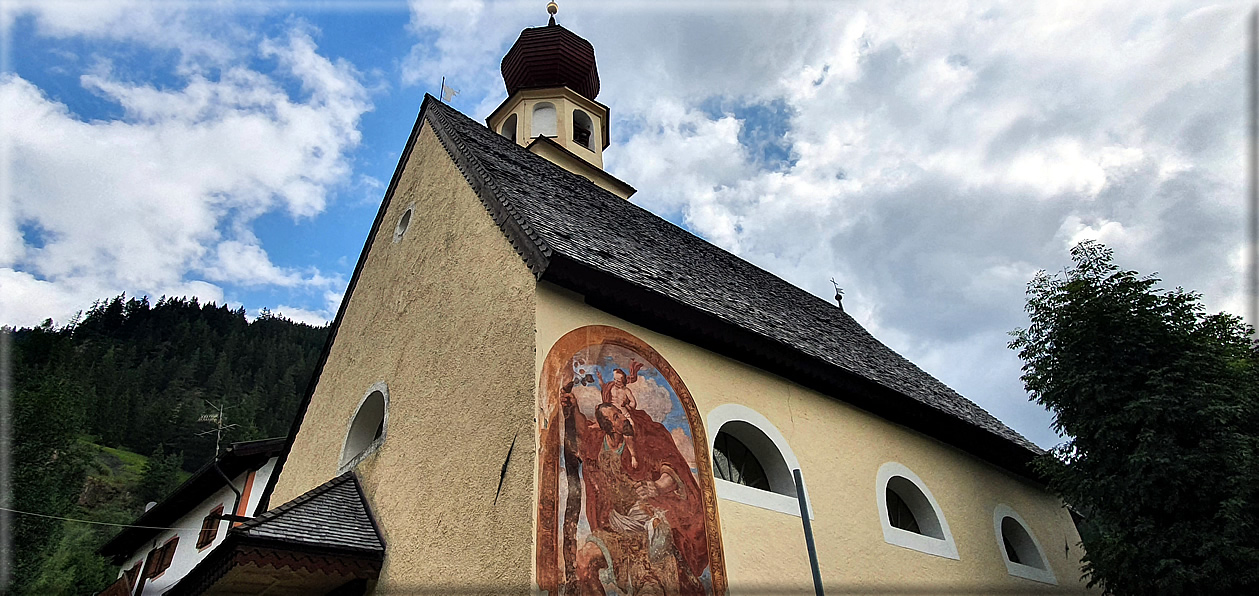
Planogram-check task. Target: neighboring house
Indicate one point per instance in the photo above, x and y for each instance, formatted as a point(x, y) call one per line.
point(154, 559)
point(532, 384)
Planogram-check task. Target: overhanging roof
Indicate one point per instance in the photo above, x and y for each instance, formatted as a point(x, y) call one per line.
point(633, 264)
point(237, 458)
point(314, 543)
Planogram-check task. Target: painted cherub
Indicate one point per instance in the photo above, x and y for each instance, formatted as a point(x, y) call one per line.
point(620, 395)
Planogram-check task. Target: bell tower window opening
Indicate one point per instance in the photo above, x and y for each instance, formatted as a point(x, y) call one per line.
point(544, 122)
point(509, 128)
point(583, 129)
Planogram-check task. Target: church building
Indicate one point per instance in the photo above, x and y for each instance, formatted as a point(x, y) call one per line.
point(533, 385)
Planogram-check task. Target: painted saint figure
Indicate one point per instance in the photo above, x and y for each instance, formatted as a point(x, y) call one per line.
point(620, 395)
point(645, 512)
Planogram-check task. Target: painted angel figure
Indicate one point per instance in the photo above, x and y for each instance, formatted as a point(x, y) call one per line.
point(620, 395)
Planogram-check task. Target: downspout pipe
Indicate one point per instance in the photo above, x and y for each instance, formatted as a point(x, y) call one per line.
point(808, 531)
point(232, 486)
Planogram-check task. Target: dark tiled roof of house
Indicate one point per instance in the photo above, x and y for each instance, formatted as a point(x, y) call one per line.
point(333, 515)
point(548, 212)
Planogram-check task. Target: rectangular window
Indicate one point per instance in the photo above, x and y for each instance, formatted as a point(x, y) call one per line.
point(209, 527)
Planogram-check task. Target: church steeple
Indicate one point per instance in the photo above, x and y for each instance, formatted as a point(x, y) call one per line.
point(552, 83)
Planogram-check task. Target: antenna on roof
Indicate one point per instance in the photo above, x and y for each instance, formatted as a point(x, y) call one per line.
point(839, 294)
point(219, 427)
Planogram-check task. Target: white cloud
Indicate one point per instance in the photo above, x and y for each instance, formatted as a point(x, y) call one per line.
point(145, 202)
point(940, 153)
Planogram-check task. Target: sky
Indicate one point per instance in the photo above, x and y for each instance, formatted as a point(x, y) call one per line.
point(931, 157)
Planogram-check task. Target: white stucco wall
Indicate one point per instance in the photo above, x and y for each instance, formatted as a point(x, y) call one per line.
point(187, 555)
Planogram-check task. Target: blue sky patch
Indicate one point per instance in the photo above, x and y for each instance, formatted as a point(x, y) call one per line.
point(763, 131)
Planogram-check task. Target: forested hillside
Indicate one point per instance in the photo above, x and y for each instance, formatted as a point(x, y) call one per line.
point(130, 377)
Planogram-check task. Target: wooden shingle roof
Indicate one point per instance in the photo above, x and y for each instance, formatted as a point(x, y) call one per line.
point(567, 229)
point(333, 515)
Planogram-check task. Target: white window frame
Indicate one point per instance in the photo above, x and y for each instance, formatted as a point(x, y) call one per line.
point(733, 491)
point(1036, 574)
point(931, 545)
point(383, 388)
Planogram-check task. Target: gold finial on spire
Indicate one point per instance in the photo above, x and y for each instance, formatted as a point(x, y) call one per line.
point(552, 7)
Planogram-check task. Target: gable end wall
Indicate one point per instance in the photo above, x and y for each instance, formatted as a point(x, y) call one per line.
point(445, 318)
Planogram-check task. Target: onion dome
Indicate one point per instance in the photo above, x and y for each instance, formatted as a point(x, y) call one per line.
point(551, 56)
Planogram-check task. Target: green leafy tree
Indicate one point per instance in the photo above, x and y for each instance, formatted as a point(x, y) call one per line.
point(1160, 406)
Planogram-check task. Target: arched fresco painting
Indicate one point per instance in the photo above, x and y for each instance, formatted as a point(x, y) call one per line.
point(626, 502)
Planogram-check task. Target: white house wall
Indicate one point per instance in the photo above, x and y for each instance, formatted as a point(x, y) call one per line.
point(187, 555)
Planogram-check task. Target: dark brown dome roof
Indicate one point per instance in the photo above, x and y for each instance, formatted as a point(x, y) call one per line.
point(551, 56)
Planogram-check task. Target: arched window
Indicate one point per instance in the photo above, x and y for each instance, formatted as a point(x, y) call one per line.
point(544, 122)
point(509, 128)
point(733, 461)
point(367, 428)
point(909, 513)
point(1019, 548)
point(583, 130)
point(743, 454)
point(752, 463)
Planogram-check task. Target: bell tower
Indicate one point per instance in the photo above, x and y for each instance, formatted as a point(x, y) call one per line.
point(552, 83)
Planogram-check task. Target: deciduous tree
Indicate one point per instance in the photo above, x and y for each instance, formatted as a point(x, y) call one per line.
point(1159, 405)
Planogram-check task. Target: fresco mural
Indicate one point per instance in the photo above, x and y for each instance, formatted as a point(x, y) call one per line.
point(626, 504)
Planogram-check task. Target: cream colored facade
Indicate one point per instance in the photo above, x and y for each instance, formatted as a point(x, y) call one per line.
point(444, 316)
point(840, 450)
point(566, 103)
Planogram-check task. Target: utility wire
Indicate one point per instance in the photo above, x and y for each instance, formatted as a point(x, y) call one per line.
point(99, 523)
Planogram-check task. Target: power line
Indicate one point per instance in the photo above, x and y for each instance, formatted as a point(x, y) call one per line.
point(99, 523)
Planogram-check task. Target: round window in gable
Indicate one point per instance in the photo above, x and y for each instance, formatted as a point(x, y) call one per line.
point(404, 222)
point(1023, 556)
point(367, 428)
point(910, 516)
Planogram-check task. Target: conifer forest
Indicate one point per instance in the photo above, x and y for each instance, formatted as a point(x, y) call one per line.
point(110, 411)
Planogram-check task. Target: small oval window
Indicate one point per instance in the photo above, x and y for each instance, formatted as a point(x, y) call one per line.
point(404, 222)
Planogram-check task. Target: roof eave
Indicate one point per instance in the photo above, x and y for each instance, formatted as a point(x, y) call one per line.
point(665, 315)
